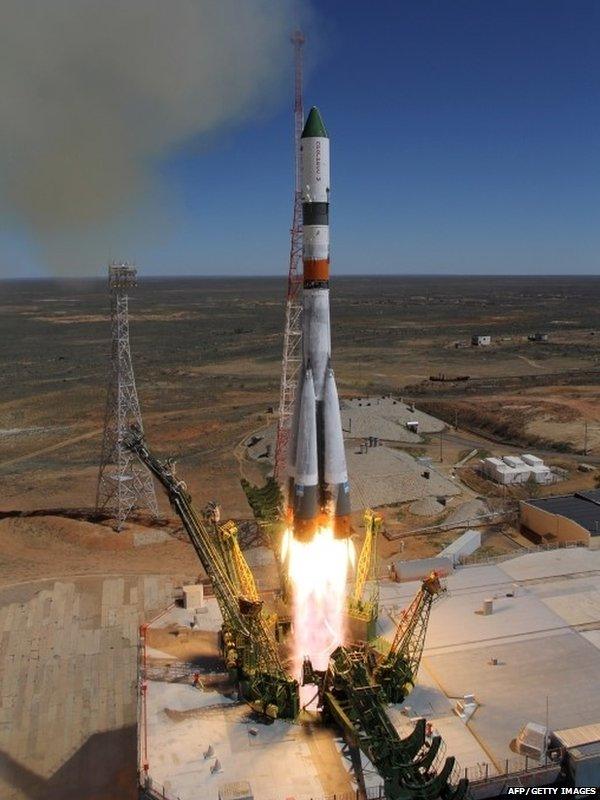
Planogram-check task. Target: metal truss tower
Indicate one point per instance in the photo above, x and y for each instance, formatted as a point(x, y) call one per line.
point(123, 483)
point(292, 337)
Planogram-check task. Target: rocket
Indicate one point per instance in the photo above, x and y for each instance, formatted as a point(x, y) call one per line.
point(318, 491)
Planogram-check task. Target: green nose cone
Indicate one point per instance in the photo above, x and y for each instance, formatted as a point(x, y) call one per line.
point(314, 125)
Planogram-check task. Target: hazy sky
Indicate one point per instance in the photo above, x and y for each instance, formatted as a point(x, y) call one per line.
point(465, 135)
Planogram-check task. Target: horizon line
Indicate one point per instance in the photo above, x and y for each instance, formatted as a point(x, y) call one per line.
point(246, 277)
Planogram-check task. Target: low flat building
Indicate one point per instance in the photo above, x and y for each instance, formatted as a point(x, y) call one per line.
point(510, 470)
point(564, 518)
point(540, 644)
point(582, 746)
point(481, 340)
point(464, 546)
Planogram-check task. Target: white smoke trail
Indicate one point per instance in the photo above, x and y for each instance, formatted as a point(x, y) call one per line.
point(95, 92)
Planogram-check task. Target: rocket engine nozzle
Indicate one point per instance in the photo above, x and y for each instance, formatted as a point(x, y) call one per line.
point(304, 530)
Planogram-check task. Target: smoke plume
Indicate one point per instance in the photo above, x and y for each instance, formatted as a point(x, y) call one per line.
point(95, 92)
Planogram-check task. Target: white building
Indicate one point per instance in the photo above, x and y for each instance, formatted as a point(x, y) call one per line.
point(511, 470)
point(465, 545)
point(481, 341)
point(522, 471)
point(533, 461)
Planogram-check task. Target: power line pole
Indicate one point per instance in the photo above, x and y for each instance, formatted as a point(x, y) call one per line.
point(123, 482)
point(292, 337)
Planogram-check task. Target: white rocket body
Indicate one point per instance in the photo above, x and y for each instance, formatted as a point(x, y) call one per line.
point(319, 493)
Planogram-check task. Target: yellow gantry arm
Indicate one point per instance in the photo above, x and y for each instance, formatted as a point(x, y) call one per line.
point(363, 568)
point(244, 575)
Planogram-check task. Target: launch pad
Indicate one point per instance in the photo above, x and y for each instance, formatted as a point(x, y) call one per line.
point(536, 636)
point(351, 682)
point(277, 758)
point(284, 671)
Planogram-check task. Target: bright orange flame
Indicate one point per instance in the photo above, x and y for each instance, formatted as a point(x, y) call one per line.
point(318, 571)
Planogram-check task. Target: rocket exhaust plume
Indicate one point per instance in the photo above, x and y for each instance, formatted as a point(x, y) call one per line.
point(318, 571)
point(317, 544)
point(96, 94)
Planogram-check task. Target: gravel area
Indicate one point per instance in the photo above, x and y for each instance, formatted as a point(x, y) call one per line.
point(428, 507)
point(467, 512)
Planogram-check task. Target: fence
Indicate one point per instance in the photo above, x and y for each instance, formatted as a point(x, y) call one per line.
point(514, 768)
point(476, 560)
point(150, 792)
point(142, 709)
point(373, 793)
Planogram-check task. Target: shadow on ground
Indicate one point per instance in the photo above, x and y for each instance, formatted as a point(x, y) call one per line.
point(104, 768)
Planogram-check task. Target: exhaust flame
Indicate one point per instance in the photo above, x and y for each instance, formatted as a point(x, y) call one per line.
point(285, 544)
point(351, 553)
point(318, 571)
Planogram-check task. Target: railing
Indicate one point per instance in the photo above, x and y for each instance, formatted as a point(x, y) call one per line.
point(513, 767)
point(155, 793)
point(150, 792)
point(476, 560)
point(142, 685)
point(373, 793)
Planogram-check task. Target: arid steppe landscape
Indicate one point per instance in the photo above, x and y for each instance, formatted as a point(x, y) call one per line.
point(207, 355)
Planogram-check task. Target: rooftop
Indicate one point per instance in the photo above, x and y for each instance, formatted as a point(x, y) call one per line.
point(575, 737)
point(581, 507)
point(544, 634)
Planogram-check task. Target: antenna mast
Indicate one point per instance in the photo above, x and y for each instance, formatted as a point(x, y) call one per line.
point(123, 483)
point(292, 338)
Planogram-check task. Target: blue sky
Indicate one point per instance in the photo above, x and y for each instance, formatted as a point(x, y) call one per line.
point(465, 138)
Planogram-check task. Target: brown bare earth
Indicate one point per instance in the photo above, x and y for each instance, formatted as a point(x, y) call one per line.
point(207, 357)
point(39, 548)
point(563, 418)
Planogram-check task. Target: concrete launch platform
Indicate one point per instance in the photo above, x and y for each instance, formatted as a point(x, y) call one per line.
point(544, 639)
point(187, 729)
point(68, 675)
point(278, 760)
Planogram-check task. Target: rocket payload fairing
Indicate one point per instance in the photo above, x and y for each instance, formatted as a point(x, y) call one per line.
point(319, 494)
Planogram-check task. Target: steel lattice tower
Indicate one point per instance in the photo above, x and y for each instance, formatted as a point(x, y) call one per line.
point(292, 337)
point(123, 482)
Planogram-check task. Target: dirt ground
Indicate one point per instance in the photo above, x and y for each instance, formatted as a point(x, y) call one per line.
point(565, 418)
point(40, 548)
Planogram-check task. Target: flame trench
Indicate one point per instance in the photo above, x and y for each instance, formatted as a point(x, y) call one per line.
point(318, 571)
